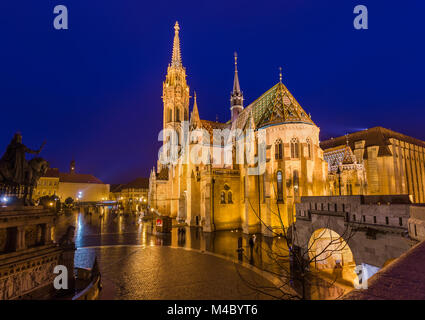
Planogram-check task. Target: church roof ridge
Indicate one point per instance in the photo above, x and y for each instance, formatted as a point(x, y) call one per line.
point(276, 105)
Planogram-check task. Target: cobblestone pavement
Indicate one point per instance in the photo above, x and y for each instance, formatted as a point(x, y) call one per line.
point(152, 272)
point(127, 234)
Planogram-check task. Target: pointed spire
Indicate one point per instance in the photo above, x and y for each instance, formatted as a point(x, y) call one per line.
point(195, 112)
point(236, 96)
point(280, 74)
point(176, 60)
point(236, 86)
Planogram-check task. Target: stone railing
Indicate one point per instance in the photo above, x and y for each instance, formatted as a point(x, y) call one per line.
point(91, 292)
point(28, 255)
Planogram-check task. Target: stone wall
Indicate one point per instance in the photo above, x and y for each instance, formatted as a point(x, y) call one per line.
point(375, 227)
point(28, 254)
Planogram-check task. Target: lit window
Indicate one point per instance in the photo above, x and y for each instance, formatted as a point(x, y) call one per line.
point(279, 179)
point(295, 147)
point(278, 150)
point(229, 197)
point(223, 197)
point(308, 148)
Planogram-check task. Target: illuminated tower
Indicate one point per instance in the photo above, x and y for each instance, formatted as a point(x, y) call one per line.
point(236, 97)
point(72, 167)
point(175, 93)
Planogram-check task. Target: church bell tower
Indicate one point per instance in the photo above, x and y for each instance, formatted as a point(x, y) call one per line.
point(175, 92)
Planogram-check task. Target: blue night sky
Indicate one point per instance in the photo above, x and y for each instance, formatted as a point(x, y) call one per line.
point(93, 92)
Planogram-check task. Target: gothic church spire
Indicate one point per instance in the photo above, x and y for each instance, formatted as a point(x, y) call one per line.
point(176, 60)
point(236, 97)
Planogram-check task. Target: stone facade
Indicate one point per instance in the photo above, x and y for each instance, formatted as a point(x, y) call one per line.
point(132, 196)
point(222, 193)
point(28, 254)
point(416, 223)
point(374, 227)
point(391, 162)
point(80, 187)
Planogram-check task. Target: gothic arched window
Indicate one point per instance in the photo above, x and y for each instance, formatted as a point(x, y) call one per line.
point(229, 197)
point(279, 180)
point(295, 148)
point(278, 147)
point(308, 148)
point(222, 197)
point(349, 189)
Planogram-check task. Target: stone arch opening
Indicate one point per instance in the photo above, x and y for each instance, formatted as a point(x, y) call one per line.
point(329, 253)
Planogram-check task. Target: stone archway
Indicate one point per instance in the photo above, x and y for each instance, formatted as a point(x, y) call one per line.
point(329, 253)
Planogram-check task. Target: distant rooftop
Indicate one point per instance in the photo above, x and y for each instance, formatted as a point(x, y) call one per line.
point(71, 177)
point(138, 183)
point(376, 136)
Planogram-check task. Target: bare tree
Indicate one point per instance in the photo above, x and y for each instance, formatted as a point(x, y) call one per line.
point(295, 266)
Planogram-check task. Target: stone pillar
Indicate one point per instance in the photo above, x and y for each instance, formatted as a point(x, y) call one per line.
point(20, 239)
point(47, 236)
point(206, 208)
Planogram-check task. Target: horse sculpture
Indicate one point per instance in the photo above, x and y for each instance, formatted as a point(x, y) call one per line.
point(18, 176)
point(37, 167)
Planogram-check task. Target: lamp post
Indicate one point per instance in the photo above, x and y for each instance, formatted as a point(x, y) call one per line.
point(338, 172)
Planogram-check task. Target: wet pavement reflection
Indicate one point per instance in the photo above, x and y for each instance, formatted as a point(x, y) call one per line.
point(113, 229)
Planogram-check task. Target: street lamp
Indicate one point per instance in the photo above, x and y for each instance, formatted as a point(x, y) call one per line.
point(338, 172)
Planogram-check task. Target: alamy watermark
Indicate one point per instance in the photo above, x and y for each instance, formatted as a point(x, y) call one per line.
point(223, 148)
point(361, 20)
point(61, 20)
point(61, 280)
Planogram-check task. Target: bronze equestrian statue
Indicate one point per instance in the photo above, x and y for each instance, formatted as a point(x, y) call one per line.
point(16, 173)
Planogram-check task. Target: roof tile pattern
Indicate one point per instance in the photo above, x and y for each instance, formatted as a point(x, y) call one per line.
point(277, 105)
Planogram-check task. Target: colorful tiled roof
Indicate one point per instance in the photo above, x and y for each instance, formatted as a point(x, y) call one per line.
point(277, 105)
point(339, 155)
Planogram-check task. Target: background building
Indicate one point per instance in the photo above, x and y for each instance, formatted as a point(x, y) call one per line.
point(133, 196)
point(384, 162)
point(80, 187)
